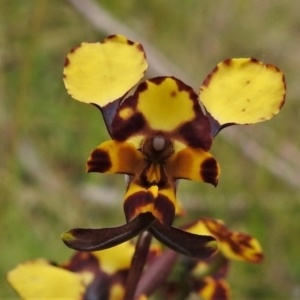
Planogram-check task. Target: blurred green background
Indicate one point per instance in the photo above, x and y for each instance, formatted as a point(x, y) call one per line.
point(46, 137)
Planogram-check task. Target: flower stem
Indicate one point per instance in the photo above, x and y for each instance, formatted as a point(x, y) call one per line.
point(137, 264)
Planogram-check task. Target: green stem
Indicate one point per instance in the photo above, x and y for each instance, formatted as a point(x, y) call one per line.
point(137, 264)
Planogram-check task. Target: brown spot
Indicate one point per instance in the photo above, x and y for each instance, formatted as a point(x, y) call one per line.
point(110, 37)
point(197, 133)
point(140, 48)
point(99, 161)
point(157, 80)
point(220, 291)
point(184, 87)
point(209, 171)
point(238, 242)
point(173, 94)
point(123, 129)
point(254, 60)
point(75, 48)
point(248, 81)
point(209, 77)
point(244, 109)
point(141, 88)
point(135, 202)
point(227, 62)
point(101, 282)
point(166, 209)
point(67, 62)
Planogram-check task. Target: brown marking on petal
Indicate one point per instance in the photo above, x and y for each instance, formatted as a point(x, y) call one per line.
point(99, 161)
point(173, 94)
point(220, 291)
point(209, 171)
point(197, 133)
point(254, 60)
point(110, 37)
point(124, 130)
point(82, 261)
point(86, 262)
point(134, 202)
point(209, 77)
point(166, 209)
point(283, 99)
point(141, 48)
point(238, 242)
point(67, 62)
point(141, 88)
point(74, 49)
point(130, 42)
point(157, 80)
point(227, 62)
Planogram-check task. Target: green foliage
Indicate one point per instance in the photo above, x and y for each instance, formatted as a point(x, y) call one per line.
point(47, 137)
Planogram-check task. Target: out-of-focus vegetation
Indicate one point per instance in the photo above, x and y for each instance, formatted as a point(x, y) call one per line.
point(46, 137)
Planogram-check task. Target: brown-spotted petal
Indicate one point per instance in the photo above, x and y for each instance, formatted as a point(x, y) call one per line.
point(197, 246)
point(234, 245)
point(242, 91)
point(193, 164)
point(115, 157)
point(98, 239)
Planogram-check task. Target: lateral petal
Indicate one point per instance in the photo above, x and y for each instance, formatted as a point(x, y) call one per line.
point(115, 157)
point(193, 164)
point(242, 91)
point(101, 73)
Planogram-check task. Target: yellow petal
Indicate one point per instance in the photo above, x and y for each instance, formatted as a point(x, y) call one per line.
point(166, 103)
point(243, 91)
point(100, 73)
point(116, 258)
point(115, 157)
point(39, 280)
point(193, 164)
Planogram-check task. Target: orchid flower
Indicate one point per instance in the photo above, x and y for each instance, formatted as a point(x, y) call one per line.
point(161, 132)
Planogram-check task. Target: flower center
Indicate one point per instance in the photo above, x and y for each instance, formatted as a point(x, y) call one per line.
point(157, 149)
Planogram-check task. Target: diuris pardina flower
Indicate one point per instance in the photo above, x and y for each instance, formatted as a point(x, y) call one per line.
point(160, 133)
